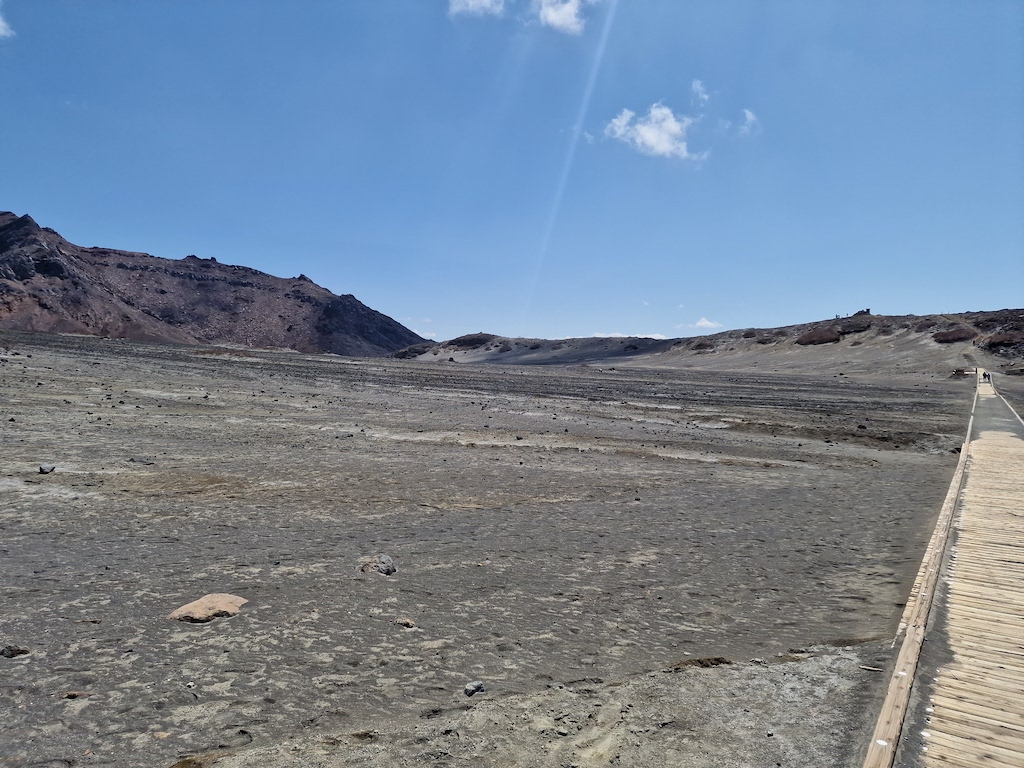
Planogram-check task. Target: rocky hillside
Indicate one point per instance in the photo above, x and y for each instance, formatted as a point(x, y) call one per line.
point(49, 284)
point(860, 342)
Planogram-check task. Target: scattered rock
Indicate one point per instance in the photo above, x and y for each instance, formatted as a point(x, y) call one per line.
point(10, 651)
point(475, 687)
point(407, 623)
point(209, 607)
point(45, 469)
point(379, 564)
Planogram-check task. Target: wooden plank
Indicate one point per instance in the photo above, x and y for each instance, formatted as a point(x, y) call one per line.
point(984, 614)
point(994, 548)
point(939, 757)
point(999, 685)
point(971, 608)
point(990, 738)
point(1011, 680)
point(955, 694)
point(973, 748)
point(985, 618)
point(972, 665)
point(994, 658)
point(994, 636)
point(983, 648)
point(1005, 574)
point(971, 596)
point(968, 713)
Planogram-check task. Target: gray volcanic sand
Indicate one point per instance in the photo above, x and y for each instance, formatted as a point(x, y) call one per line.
point(568, 535)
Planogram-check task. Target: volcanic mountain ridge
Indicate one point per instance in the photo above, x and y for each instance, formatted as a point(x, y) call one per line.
point(48, 284)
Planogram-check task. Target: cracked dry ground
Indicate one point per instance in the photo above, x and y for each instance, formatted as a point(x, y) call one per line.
point(565, 535)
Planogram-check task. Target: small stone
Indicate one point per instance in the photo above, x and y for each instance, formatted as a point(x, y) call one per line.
point(10, 651)
point(475, 687)
point(208, 607)
point(45, 469)
point(407, 623)
point(379, 564)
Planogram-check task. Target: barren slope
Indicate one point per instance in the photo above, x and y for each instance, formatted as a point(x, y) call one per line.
point(863, 343)
point(49, 284)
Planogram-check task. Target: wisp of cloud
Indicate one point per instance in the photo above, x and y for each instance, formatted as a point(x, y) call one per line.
point(570, 156)
point(5, 28)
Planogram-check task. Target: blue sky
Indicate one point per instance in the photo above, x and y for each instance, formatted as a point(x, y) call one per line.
point(538, 167)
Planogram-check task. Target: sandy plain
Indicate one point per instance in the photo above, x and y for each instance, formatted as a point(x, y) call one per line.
point(593, 544)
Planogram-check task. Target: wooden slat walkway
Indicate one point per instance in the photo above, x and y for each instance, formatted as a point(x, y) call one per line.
point(977, 707)
point(975, 710)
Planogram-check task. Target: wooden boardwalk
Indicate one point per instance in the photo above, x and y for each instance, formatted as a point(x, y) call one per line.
point(974, 716)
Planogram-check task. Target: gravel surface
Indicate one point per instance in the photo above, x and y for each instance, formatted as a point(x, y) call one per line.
point(568, 536)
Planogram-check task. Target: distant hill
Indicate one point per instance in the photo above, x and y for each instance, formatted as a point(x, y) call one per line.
point(49, 284)
point(860, 342)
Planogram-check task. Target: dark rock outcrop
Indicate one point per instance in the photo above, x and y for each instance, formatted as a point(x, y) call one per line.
point(48, 284)
point(819, 336)
point(954, 335)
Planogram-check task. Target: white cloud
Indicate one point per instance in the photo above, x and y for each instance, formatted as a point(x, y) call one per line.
point(750, 123)
point(425, 334)
point(476, 7)
point(5, 28)
point(662, 133)
point(629, 336)
point(700, 95)
point(563, 15)
point(705, 323)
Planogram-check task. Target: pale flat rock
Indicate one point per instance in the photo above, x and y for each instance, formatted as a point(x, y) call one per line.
point(208, 608)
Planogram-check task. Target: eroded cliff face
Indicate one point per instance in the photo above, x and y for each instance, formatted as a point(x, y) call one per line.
point(49, 284)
